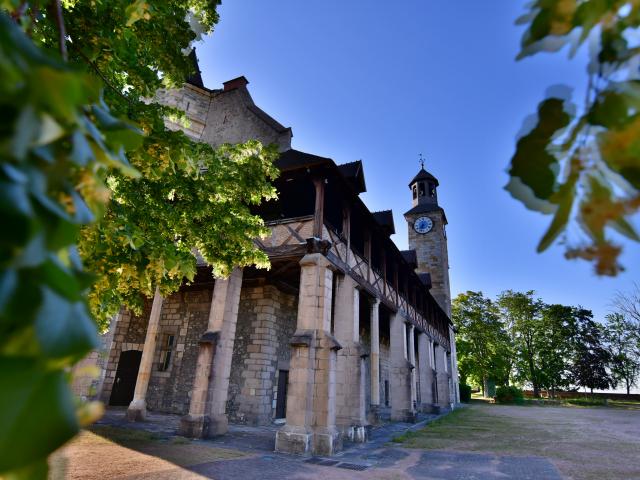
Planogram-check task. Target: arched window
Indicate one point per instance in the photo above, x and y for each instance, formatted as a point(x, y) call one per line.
point(415, 192)
point(432, 189)
point(421, 191)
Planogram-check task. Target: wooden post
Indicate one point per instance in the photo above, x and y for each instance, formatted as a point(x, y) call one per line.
point(318, 218)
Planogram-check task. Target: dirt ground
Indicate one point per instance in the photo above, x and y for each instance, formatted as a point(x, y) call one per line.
point(584, 443)
point(481, 441)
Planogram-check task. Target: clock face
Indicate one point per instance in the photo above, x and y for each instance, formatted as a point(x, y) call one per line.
point(423, 225)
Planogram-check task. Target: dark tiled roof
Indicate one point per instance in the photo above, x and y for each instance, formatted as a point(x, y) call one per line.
point(410, 257)
point(426, 208)
point(354, 173)
point(268, 119)
point(293, 159)
point(423, 175)
point(385, 220)
point(425, 278)
point(196, 78)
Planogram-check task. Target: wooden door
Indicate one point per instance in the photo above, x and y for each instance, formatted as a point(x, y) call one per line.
point(126, 376)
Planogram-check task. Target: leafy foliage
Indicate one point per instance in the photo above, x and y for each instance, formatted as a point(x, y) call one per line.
point(465, 393)
point(482, 343)
point(581, 164)
point(54, 157)
point(509, 394)
point(622, 339)
point(65, 151)
point(591, 358)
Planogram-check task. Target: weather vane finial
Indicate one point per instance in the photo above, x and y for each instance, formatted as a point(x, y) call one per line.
point(421, 161)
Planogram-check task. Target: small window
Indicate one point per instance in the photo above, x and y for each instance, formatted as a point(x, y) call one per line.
point(432, 189)
point(421, 189)
point(167, 352)
point(415, 192)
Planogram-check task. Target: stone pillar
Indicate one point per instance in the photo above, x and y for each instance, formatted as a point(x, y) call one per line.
point(350, 373)
point(310, 426)
point(137, 410)
point(425, 372)
point(375, 357)
point(454, 365)
point(207, 416)
point(401, 407)
point(442, 377)
point(412, 366)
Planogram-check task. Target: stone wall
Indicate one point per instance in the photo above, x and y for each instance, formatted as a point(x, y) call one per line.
point(266, 323)
point(184, 315)
point(224, 116)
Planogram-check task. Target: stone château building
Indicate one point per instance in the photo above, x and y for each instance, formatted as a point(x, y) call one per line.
point(344, 329)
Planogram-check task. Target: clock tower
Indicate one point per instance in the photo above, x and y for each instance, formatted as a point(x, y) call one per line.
point(427, 236)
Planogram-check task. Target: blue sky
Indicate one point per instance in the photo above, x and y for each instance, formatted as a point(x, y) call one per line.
point(385, 81)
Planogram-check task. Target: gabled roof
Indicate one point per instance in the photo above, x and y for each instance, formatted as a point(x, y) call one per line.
point(410, 257)
point(385, 220)
point(196, 78)
point(424, 175)
point(268, 119)
point(293, 159)
point(426, 208)
point(354, 173)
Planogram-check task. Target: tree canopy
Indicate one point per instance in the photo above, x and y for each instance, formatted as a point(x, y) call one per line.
point(580, 161)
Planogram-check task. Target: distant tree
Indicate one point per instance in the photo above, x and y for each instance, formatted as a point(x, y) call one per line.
point(628, 304)
point(581, 163)
point(557, 327)
point(623, 342)
point(482, 343)
point(591, 359)
point(521, 314)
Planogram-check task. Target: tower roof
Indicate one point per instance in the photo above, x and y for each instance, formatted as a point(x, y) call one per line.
point(423, 175)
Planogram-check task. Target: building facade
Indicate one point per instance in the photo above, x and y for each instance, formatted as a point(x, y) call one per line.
point(344, 329)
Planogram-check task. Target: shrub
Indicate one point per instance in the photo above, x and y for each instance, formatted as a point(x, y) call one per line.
point(465, 392)
point(509, 394)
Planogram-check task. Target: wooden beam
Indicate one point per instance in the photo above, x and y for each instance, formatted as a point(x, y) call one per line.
point(318, 216)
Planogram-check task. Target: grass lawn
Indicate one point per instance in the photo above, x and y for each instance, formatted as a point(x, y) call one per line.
point(109, 452)
point(584, 443)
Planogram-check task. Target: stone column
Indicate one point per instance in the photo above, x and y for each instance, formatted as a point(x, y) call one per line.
point(425, 372)
point(137, 410)
point(375, 354)
point(310, 426)
point(207, 416)
point(412, 366)
point(454, 365)
point(350, 380)
point(401, 408)
point(442, 377)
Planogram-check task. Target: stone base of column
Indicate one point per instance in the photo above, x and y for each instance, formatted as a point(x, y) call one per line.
point(300, 441)
point(137, 411)
point(194, 426)
point(218, 425)
point(296, 440)
point(358, 433)
point(373, 416)
point(326, 442)
point(406, 416)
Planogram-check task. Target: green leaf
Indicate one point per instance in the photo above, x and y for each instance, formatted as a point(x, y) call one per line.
point(560, 219)
point(533, 169)
point(64, 329)
point(33, 400)
point(610, 110)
